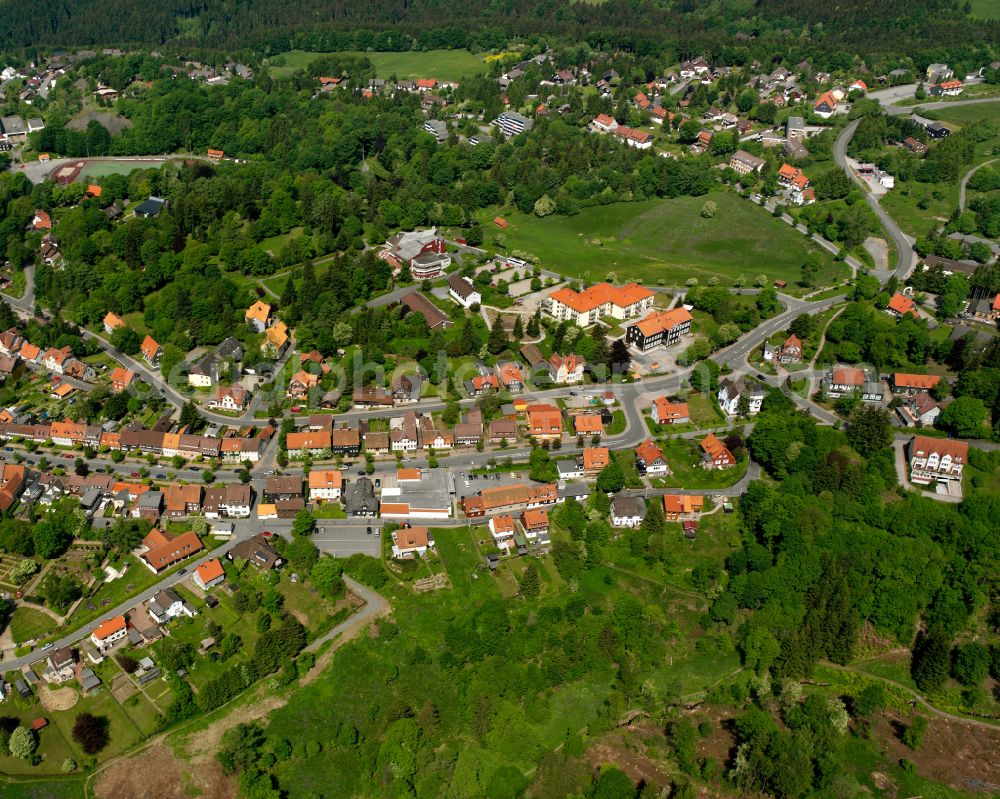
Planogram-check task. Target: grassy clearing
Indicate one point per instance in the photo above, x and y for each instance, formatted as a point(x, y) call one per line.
point(668, 240)
point(100, 169)
point(43, 789)
point(27, 624)
point(684, 457)
point(439, 64)
point(986, 9)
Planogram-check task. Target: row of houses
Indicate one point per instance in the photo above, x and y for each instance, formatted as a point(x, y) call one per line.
point(133, 437)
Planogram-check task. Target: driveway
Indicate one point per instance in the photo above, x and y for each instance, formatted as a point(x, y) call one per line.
point(347, 538)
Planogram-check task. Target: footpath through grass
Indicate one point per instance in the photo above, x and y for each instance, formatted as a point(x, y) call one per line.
point(669, 240)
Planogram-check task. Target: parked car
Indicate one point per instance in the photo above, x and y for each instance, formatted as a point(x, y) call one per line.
point(134, 474)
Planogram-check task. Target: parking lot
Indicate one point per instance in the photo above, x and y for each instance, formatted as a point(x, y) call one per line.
point(343, 540)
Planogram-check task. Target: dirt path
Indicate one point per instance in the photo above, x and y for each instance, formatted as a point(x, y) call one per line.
point(965, 181)
point(942, 714)
point(822, 338)
point(154, 772)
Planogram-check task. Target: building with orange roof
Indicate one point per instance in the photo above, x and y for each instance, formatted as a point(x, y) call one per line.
point(904, 384)
point(588, 424)
point(715, 454)
point(791, 350)
point(121, 378)
point(325, 485)
point(948, 88)
point(566, 369)
point(311, 442)
point(787, 173)
point(535, 524)
point(900, 305)
point(510, 376)
point(11, 485)
point(595, 458)
point(649, 459)
point(275, 339)
point(509, 498)
point(151, 351)
point(41, 221)
point(109, 631)
point(174, 550)
point(258, 315)
point(209, 574)
point(677, 506)
point(545, 422)
point(602, 299)
point(182, 500)
point(659, 329)
point(62, 390)
point(112, 322)
point(826, 105)
point(215, 155)
point(667, 412)
point(937, 460)
point(93, 190)
point(300, 384)
point(409, 542)
point(502, 528)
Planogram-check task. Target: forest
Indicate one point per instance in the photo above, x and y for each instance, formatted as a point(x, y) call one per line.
point(684, 29)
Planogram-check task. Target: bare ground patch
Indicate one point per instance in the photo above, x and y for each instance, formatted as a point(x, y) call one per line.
point(55, 699)
point(962, 756)
point(153, 774)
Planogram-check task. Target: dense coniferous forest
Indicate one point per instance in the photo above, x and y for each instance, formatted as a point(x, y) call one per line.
point(800, 28)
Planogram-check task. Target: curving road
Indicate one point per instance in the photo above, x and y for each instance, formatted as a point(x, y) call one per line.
point(965, 181)
point(904, 244)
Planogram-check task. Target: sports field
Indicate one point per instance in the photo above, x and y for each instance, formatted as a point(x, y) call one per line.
point(667, 240)
point(100, 169)
point(439, 64)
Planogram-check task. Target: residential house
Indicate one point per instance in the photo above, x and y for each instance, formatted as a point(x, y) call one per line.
point(513, 124)
point(258, 316)
point(509, 498)
point(276, 340)
point(904, 384)
point(121, 379)
point(325, 485)
point(279, 487)
point(112, 322)
point(901, 305)
point(372, 397)
point(660, 328)
point(649, 459)
point(209, 574)
point(844, 381)
point(535, 524)
point(545, 422)
point(230, 398)
point(826, 105)
point(667, 412)
point(163, 552)
point(406, 388)
point(948, 88)
point(939, 460)
point(345, 441)
point(463, 291)
point(919, 410)
point(301, 383)
point(566, 369)
point(108, 632)
point(715, 454)
point(182, 500)
point(731, 391)
point(409, 542)
point(595, 459)
point(502, 431)
point(167, 605)
point(312, 443)
point(502, 528)
point(627, 511)
point(359, 498)
point(791, 350)
point(681, 506)
point(257, 551)
point(588, 424)
point(232, 501)
point(151, 351)
point(915, 146)
point(510, 376)
point(60, 665)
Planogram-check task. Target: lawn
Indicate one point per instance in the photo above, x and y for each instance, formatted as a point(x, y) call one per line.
point(135, 580)
point(684, 456)
point(986, 9)
point(457, 549)
point(940, 200)
point(101, 169)
point(27, 624)
point(43, 789)
point(440, 64)
point(668, 241)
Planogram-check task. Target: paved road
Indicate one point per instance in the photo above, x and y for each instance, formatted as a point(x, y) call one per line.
point(965, 181)
point(375, 606)
point(904, 244)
